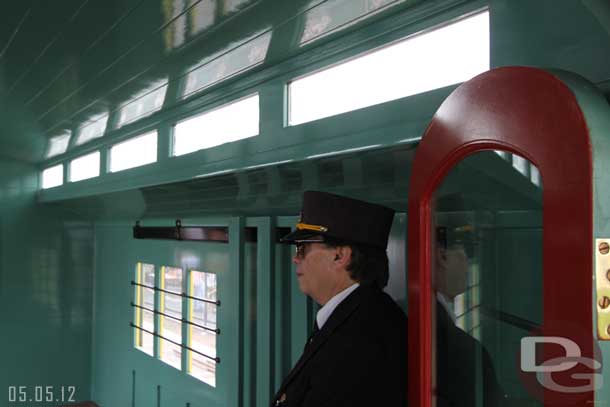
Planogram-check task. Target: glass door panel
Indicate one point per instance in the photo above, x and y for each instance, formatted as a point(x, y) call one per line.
point(487, 279)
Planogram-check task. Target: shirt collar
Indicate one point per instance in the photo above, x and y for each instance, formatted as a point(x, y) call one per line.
point(325, 312)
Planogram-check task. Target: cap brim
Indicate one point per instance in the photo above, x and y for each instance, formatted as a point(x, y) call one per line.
point(299, 236)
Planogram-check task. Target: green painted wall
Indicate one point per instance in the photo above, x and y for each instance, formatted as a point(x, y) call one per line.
point(46, 267)
point(115, 360)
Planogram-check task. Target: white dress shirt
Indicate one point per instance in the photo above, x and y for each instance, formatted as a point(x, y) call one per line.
point(325, 312)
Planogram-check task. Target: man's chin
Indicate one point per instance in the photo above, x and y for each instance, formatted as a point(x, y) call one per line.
point(302, 286)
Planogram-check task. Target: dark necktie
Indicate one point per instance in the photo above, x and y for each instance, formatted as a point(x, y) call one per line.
point(314, 333)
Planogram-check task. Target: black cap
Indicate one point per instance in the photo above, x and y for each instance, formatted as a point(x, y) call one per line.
point(342, 218)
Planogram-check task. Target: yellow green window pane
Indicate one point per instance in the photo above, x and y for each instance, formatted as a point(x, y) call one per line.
point(171, 305)
point(146, 340)
point(172, 279)
point(203, 341)
point(203, 369)
point(203, 285)
point(148, 274)
point(203, 313)
point(144, 297)
point(200, 366)
point(171, 329)
point(170, 353)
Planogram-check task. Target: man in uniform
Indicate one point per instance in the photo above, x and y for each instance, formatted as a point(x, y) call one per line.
point(357, 355)
point(464, 368)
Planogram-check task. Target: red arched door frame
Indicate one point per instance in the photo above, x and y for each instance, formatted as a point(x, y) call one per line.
point(531, 113)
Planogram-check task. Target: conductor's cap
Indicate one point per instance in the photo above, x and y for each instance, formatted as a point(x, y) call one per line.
point(338, 217)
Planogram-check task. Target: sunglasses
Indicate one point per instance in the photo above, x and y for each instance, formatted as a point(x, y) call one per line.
point(300, 246)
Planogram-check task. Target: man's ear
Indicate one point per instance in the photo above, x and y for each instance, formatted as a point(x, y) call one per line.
point(343, 256)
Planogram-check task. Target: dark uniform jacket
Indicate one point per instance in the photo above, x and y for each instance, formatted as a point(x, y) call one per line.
point(465, 370)
point(357, 359)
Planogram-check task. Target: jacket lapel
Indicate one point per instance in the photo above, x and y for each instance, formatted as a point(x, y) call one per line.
point(337, 318)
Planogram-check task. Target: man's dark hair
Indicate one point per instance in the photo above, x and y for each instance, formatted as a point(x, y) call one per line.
point(368, 266)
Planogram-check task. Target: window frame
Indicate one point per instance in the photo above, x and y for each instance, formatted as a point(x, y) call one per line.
point(187, 299)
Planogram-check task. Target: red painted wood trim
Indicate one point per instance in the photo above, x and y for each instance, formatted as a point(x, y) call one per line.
point(529, 112)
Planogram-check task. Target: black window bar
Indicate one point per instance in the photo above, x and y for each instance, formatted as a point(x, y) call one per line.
point(191, 233)
point(215, 359)
point(217, 302)
point(215, 330)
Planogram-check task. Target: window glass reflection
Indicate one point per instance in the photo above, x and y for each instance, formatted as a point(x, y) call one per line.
point(93, 128)
point(228, 62)
point(231, 6)
point(487, 280)
point(144, 103)
point(332, 15)
point(58, 144)
point(202, 15)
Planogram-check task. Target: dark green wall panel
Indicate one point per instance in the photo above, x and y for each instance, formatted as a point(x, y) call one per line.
point(45, 291)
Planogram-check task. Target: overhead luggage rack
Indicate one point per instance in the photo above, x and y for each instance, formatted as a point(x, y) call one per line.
point(190, 233)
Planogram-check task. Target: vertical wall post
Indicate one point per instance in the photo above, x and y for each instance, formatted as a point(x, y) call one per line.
point(265, 308)
point(232, 360)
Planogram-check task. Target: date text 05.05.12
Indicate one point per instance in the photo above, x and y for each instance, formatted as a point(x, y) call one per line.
point(38, 394)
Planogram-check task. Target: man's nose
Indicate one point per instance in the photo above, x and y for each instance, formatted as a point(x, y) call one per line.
point(296, 259)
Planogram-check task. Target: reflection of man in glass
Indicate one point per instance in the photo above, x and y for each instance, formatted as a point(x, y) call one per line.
point(464, 370)
point(451, 267)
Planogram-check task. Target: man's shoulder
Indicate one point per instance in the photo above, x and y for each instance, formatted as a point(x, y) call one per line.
point(379, 308)
point(378, 298)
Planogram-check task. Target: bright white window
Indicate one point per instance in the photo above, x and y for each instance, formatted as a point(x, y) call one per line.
point(231, 122)
point(445, 56)
point(87, 166)
point(170, 325)
point(137, 151)
point(92, 128)
point(202, 326)
point(58, 144)
point(145, 307)
point(53, 176)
